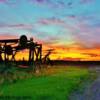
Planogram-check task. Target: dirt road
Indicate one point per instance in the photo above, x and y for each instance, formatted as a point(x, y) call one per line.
point(91, 91)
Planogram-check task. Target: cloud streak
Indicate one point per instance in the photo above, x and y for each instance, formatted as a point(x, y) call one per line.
point(18, 26)
point(86, 1)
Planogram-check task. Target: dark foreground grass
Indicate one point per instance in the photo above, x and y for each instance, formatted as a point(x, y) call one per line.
point(50, 84)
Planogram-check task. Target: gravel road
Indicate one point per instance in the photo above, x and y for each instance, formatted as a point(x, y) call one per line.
point(91, 91)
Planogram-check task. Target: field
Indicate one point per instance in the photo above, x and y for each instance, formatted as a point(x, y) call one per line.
point(53, 83)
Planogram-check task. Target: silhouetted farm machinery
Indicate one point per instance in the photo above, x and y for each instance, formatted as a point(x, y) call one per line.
point(10, 47)
point(46, 58)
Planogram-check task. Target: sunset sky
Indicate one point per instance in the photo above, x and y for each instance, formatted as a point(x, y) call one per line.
point(70, 27)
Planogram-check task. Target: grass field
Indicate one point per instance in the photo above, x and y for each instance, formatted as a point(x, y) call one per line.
point(55, 83)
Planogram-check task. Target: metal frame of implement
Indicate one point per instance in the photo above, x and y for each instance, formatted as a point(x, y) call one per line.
point(6, 48)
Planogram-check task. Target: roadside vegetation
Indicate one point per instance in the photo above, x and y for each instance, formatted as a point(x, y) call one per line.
point(53, 83)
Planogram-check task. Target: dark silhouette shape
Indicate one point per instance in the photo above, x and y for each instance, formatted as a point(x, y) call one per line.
point(8, 50)
point(23, 41)
point(46, 58)
point(35, 49)
point(1, 53)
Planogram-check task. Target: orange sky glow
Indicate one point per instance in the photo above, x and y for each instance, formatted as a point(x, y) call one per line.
point(73, 52)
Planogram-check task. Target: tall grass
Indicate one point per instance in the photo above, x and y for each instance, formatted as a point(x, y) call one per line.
point(49, 84)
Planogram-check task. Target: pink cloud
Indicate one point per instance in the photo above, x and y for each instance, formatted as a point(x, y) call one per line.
point(88, 36)
point(39, 1)
point(49, 21)
point(80, 30)
point(7, 36)
point(86, 1)
point(22, 26)
point(54, 4)
point(9, 2)
point(2, 0)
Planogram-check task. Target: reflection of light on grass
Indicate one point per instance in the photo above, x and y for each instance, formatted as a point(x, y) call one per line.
point(52, 83)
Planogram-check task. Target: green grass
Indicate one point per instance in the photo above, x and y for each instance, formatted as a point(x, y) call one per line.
point(50, 84)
